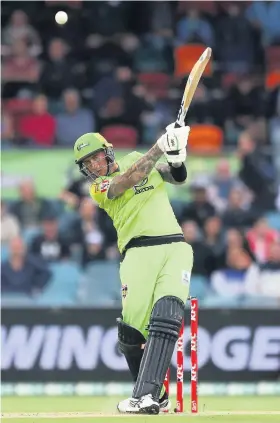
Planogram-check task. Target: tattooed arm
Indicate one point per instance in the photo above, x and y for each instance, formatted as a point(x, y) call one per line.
point(175, 176)
point(135, 173)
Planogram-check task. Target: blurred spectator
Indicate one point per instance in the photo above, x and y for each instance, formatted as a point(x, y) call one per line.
point(213, 234)
point(116, 85)
point(222, 183)
point(208, 106)
point(57, 73)
point(75, 192)
point(19, 71)
point(161, 17)
point(232, 280)
point(7, 129)
point(266, 281)
point(265, 16)
point(257, 173)
point(260, 238)
point(154, 54)
point(86, 232)
point(75, 121)
point(109, 17)
point(49, 245)
point(9, 225)
point(23, 273)
point(204, 262)
point(193, 28)
point(234, 239)
point(200, 208)
point(245, 101)
point(235, 43)
point(105, 55)
point(234, 215)
point(29, 209)
point(20, 29)
point(38, 126)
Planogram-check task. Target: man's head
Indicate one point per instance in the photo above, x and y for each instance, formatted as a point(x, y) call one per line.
point(235, 199)
point(50, 228)
point(19, 19)
point(40, 105)
point(71, 100)
point(57, 50)
point(223, 170)
point(27, 191)
point(238, 258)
point(246, 144)
point(94, 155)
point(234, 238)
point(199, 195)
point(17, 248)
point(212, 226)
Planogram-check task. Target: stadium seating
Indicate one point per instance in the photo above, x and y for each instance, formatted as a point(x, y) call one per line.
point(14, 299)
point(100, 285)
point(205, 139)
point(63, 287)
point(272, 80)
point(156, 83)
point(121, 136)
point(199, 287)
point(185, 58)
point(222, 302)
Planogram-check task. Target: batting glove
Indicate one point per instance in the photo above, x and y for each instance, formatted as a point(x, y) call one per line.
point(174, 139)
point(176, 159)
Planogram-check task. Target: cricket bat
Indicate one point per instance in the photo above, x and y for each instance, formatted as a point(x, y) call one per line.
point(191, 86)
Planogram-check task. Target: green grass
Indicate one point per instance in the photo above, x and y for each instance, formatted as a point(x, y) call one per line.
point(103, 410)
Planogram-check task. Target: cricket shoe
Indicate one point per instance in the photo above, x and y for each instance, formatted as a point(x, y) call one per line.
point(164, 405)
point(143, 405)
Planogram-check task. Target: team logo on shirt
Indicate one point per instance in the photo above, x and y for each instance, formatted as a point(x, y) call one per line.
point(137, 188)
point(104, 185)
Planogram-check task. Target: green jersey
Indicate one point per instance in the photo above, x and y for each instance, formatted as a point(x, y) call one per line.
point(143, 210)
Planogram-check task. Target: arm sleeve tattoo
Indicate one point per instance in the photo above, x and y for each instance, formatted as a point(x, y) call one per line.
point(135, 173)
point(175, 176)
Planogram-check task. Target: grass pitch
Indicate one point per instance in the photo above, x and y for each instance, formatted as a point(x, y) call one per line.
point(103, 409)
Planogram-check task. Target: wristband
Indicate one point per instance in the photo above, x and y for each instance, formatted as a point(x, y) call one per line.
point(179, 174)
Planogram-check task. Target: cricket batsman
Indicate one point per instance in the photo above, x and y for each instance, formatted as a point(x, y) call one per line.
point(156, 261)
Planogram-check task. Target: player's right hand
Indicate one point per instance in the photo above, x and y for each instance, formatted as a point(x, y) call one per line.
point(174, 139)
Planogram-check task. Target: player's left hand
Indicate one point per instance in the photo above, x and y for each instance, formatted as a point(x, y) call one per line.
point(182, 133)
point(174, 139)
point(176, 159)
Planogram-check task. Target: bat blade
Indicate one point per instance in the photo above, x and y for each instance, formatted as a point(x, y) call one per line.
point(191, 85)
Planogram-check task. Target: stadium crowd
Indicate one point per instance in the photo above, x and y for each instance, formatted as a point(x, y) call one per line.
point(59, 82)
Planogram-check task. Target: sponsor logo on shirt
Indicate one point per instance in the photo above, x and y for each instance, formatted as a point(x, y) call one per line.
point(104, 185)
point(141, 184)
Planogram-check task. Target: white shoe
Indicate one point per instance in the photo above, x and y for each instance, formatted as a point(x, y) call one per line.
point(165, 406)
point(143, 405)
